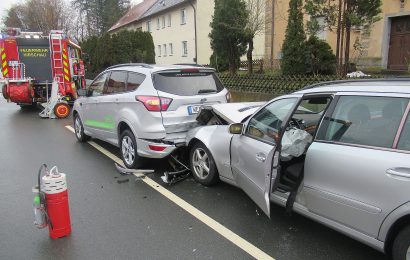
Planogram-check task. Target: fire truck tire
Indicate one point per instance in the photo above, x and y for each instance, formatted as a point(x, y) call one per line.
point(62, 110)
point(4, 91)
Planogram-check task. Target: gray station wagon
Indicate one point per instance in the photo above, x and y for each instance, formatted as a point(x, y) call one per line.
point(336, 152)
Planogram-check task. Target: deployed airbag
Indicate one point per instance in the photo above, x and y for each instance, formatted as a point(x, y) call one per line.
point(294, 143)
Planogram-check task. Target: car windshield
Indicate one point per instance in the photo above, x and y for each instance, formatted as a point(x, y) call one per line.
point(187, 83)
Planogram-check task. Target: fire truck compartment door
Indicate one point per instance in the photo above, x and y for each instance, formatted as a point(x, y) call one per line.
point(35, 55)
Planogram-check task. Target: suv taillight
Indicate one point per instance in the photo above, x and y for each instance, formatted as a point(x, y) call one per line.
point(153, 103)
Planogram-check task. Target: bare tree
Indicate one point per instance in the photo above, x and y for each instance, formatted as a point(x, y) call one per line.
point(255, 25)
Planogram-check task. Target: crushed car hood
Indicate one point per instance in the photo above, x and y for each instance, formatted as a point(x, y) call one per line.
point(227, 113)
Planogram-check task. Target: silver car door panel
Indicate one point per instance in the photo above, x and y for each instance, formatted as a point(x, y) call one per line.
point(362, 194)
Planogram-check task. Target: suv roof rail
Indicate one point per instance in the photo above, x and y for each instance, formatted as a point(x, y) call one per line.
point(189, 64)
point(336, 82)
point(144, 65)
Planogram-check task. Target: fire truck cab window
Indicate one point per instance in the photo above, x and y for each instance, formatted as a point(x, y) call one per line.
point(98, 85)
point(116, 82)
point(134, 81)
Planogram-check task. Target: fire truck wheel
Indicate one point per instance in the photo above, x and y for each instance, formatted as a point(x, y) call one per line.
point(4, 91)
point(62, 110)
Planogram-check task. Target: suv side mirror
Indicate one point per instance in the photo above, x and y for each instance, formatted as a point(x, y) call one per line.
point(84, 92)
point(236, 128)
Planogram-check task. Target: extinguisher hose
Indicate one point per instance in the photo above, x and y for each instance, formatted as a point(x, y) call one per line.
point(42, 194)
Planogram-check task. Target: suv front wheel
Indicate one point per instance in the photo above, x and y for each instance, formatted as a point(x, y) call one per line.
point(128, 149)
point(401, 245)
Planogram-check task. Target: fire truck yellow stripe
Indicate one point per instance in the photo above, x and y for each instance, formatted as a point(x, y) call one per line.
point(4, 64)
point(65, 71)
point(65, 64)
point(67, 78)
point(64, 56)
point(3, 56)
point(5, 72)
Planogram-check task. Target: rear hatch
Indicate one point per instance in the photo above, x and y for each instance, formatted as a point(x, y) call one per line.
point(187, 90)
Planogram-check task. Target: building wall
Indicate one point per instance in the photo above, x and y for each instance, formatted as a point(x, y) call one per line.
point(177, 33)
point(376, 45)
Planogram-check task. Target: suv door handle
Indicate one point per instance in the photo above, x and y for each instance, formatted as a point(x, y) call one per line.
point(400, 172)
point(260, 157)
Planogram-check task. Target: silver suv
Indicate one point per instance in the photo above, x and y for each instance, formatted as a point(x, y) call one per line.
point(146, 110)
point(337, 152)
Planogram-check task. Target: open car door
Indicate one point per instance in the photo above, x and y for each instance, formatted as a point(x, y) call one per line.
point(255, 153)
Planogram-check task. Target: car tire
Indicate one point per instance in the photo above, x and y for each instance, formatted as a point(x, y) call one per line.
point(128, 150)
point(401, 245)
point(202, 165)
point(79, 130)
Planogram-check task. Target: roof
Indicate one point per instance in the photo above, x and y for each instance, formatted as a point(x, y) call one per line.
point(134, 14)
point(152, 68)
point(162, 5)
point(398, 85)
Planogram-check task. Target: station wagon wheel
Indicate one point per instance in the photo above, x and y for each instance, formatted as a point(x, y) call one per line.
point(128, 149)
point(79, 129)
point(401, 245)
point(203, 165)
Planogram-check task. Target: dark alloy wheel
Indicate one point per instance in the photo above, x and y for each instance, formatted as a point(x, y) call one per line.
point(401, 245)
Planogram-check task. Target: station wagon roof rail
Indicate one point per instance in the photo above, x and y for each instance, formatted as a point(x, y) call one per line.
point(339, 82)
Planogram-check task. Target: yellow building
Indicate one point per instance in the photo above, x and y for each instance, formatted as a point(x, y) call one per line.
point(387, 46)
point(179, 29)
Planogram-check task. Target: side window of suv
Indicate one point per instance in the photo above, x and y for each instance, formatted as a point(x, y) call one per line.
point(98, 84)
point(364, 120)
point(265, 125)
point(404, 141)
point(134, 80)
point(116, 82)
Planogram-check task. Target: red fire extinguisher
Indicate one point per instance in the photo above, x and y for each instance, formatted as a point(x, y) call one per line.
point(51, 203)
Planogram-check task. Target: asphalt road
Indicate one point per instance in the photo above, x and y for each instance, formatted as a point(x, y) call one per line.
point(130, 220)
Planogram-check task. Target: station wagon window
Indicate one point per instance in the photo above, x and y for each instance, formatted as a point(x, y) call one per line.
point(134, 81)
point(98, 84)
point(116, 82)
point(365, 120)
point(265, 125)
point(404, 141)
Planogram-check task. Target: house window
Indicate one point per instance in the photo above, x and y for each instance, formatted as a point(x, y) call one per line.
point(171, 49)
point(149, 26)
point(163, 21)
point(169, 20)
point(321, 33)
point(158, 23)
point(159, 50)
point(183, 16)
point(184, 48)
point(165, 49)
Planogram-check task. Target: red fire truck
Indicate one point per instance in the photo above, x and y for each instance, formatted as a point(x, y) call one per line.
point(31, 63)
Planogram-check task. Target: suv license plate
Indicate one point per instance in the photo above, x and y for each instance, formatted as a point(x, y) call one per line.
point(194, 109)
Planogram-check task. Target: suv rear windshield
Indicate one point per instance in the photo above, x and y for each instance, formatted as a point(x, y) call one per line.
point(187, 83)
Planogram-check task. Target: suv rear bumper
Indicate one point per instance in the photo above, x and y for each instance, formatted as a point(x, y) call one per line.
point(144, 149)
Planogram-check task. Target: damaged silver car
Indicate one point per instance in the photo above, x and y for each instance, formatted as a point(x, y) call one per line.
point(336, 152)
point(144, 109)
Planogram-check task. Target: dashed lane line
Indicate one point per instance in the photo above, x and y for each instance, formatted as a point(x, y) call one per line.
point(210, 222)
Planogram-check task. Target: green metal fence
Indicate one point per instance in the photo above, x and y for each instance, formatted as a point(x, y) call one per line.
point(276, 85)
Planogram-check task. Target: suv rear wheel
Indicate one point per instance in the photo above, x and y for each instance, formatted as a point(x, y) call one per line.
point(401, 245)
point(128, 149)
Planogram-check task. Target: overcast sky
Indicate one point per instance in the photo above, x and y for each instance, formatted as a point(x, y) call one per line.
point(6, 4)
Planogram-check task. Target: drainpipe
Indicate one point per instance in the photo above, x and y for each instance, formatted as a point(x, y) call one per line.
point(272, 34)
point(196, 43)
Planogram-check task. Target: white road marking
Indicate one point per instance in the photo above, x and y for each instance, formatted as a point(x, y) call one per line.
point(210, 222)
